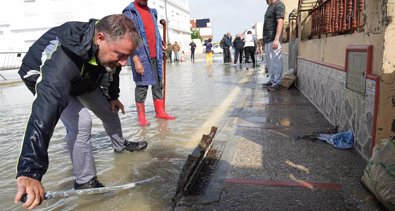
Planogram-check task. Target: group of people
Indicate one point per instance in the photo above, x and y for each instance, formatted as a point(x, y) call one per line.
point(173, 48)
point(249, 46)
point(73, 68)
point(246, 46)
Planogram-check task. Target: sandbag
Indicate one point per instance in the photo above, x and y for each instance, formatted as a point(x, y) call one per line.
point(288, 78)
point(379, 173)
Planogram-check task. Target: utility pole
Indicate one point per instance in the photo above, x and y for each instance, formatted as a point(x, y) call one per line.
point(167, 23)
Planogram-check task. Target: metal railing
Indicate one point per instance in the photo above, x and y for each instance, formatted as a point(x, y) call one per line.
point(11, 60)
point(337, 17)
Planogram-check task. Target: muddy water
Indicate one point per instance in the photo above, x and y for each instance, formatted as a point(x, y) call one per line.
point(199, 95)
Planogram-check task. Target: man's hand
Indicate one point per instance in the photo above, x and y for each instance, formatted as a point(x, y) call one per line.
point(34, 190)
point(115, 105)
point(275, 44)
point(138, 65)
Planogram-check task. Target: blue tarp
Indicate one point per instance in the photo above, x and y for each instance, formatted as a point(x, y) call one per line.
point(343, 140)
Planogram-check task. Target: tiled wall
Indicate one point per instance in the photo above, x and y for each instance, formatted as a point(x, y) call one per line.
point(325, 87)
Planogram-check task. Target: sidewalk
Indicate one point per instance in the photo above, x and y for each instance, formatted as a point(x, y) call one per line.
point(269, 161)
point(9, 77)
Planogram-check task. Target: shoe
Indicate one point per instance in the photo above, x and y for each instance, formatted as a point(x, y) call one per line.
point(135, 146)
point(267, 85)
point(275, 87)
point(93, 183)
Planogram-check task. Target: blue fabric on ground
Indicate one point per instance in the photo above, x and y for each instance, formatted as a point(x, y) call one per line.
point(343, 140)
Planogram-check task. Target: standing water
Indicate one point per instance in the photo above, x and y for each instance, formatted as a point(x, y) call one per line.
point(199, 95)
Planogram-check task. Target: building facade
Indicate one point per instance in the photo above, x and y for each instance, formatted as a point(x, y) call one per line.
point(344, 65)
point(23, 21)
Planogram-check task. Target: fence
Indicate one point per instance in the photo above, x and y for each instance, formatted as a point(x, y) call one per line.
point(11, 60)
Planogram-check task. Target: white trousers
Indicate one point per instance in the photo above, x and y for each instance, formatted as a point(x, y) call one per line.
point(274, 63)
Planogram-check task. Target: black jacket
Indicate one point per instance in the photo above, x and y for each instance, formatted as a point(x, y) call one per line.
point(69, 69)
point(238, 43)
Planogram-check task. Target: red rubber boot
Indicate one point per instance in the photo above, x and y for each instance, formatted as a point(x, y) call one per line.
point(160, 110)
point(141, 114)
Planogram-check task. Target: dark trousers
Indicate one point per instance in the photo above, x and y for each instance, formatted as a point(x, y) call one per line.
point(238, 53)
point(157, 89)
point(250, 51)
point(169, 55)
point(192, 54)
point(226, 55)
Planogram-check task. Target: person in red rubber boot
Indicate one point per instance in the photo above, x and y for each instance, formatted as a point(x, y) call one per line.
point(147, 60)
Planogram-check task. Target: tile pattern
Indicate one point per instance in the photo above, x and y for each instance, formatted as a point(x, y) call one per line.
point(326, 88)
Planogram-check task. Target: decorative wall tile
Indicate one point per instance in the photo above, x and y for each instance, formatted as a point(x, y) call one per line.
point(325, 87)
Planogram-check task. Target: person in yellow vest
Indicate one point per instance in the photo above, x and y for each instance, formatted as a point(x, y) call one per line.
point(209, 51)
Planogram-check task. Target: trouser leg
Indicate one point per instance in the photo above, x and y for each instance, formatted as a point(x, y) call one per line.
point(227, 59)
point(268, 49)
point(252, 54)
point(78, 123)
point(247, 54)
point(276, 63)
point(98, 104)
point(140, 93)
point(157, 88)
point(176, 56)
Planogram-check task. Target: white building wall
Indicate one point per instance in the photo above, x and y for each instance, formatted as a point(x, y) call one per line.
point(259, 30)
point(23, 21)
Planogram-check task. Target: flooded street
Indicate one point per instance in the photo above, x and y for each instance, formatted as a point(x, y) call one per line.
point(199, 95)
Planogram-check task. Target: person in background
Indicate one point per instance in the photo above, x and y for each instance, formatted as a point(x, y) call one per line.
point(209, 51)
point(147, 60)
point(64, 69)
point(169, 52)
point(176, 50)
point(250, 47)
point(226, 43)
point(193, 47)
point(238, 45)
point(272, 31)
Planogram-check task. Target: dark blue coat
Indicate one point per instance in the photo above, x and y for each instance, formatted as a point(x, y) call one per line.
point(143, 52)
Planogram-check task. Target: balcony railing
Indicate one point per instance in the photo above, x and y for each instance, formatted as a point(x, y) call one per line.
point(333, 17)
point(11, 60)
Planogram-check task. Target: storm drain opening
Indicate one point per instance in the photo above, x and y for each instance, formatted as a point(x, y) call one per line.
point(198, 168)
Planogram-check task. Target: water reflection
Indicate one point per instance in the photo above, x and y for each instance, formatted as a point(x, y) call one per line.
point(194, 91)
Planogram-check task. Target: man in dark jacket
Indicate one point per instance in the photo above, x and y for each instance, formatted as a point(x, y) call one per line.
point(227, 43)
point(65, 69)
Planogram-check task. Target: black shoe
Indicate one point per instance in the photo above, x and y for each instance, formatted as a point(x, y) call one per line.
point(93, 183)
point(275, 87)
point(135, 146)
point(267, 85)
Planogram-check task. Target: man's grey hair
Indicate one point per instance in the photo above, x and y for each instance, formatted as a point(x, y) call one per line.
point(119, 26)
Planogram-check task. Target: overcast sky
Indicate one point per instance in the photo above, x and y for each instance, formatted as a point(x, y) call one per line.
point(232, 16)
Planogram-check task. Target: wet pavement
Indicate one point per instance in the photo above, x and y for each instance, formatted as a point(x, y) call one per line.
point(271, 162)
point(266, 159)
